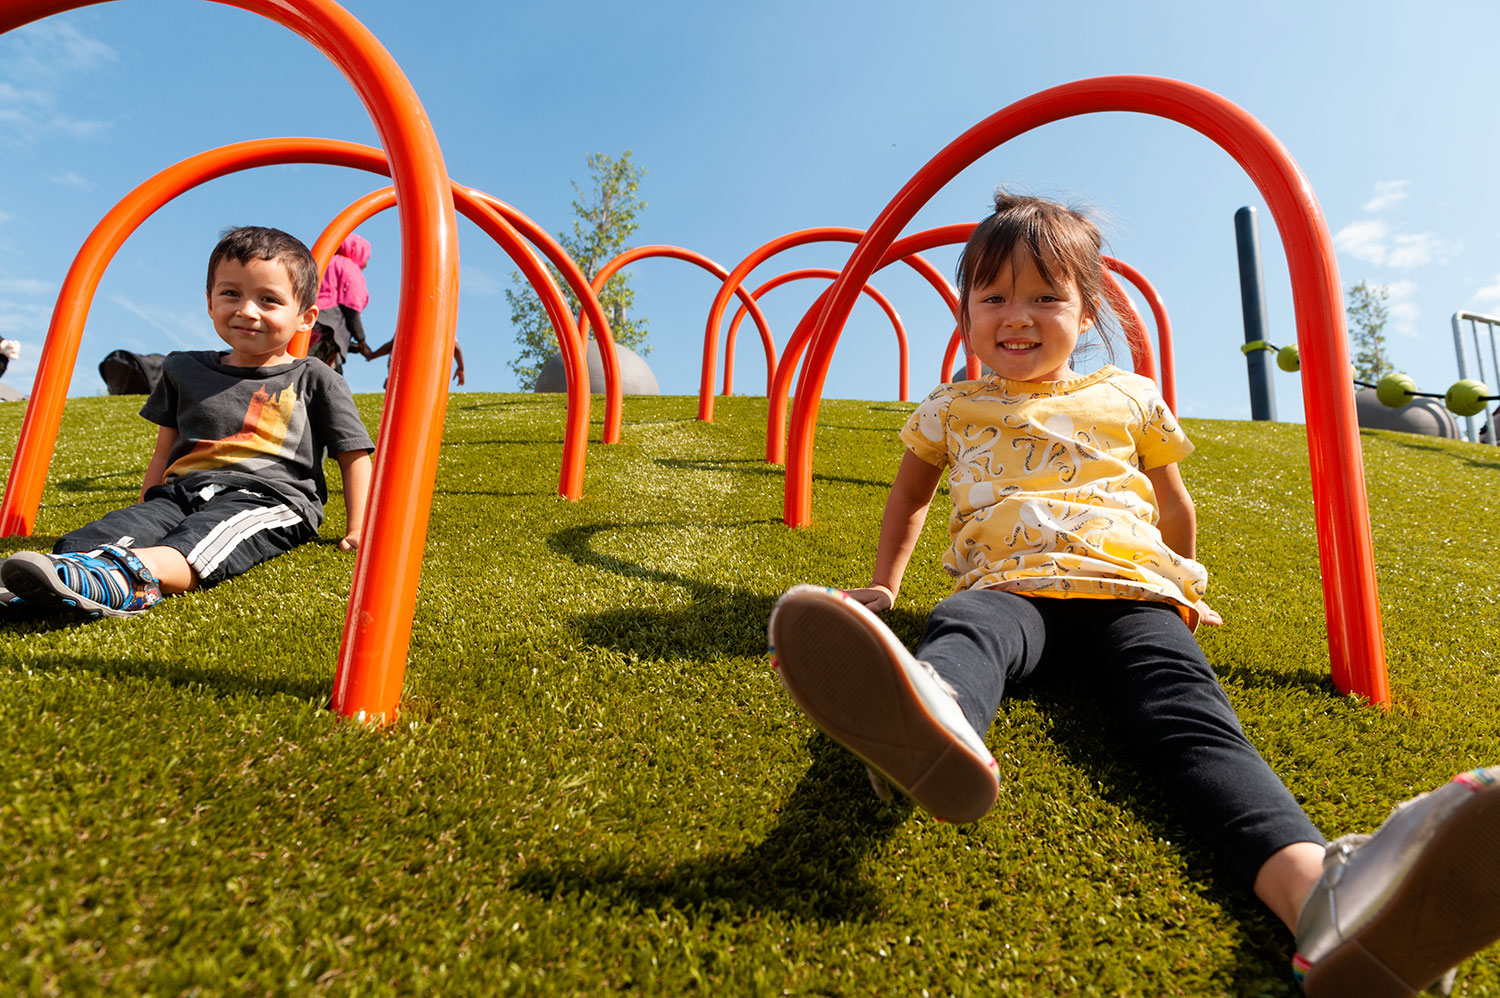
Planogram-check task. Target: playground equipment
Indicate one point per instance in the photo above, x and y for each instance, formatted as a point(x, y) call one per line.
point(1464, 397)
point(1253, 306)
point(1351, 601)
point(904, 361)
point(382, 599)
point(1473, 319)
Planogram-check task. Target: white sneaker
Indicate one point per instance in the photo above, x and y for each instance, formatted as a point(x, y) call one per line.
point(860, 686)
point(1396, 909)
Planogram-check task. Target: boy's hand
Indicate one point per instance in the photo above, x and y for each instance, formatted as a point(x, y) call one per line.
point(350, 542)
point(1208, 615)
point(877, 598)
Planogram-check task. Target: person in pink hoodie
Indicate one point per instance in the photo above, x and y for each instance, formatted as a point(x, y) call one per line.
point(342, 296)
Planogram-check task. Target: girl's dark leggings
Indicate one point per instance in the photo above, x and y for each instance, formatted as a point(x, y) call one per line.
point(1140, 661)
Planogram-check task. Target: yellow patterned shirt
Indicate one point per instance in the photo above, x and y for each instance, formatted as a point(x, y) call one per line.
point(1048, 486)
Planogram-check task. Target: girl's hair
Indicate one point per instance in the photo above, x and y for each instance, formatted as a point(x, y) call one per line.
point(1063, 243)
point(257, 242)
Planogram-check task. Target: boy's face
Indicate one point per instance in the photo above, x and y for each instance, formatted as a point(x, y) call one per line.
point(1024, 327)
point(254, 310)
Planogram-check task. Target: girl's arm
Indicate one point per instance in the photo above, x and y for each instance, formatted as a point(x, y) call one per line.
point(354, 466)
point(156, 471)
point(1179, 523)
point(1179, 518)
point(905, 512)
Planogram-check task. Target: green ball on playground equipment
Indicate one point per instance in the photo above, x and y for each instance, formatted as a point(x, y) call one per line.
point(1288, 359)
point(1394, 390)
point(1466, 397)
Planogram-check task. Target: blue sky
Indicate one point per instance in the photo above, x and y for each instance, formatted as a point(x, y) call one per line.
point(754, 121)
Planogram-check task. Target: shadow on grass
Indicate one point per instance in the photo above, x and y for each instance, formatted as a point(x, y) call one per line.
point(809, 867)
point(177, 674)
point(96, 483)
point(1091, 742)
point(1418, 444)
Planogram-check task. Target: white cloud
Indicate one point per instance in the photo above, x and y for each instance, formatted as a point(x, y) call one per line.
point(184, 329)
point(26, 286)
point(1371, 240)
point(1388, 194)
point(38, 61)
point(1490, 292)
point(1404, 314)
point(73, 180)
point(1363, 240)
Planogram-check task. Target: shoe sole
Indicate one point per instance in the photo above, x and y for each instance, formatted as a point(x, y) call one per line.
point(853, 686)
point(33, 577)
point(1443, 912)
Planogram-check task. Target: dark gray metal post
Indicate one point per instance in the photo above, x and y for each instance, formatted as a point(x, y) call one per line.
point(1253, 304)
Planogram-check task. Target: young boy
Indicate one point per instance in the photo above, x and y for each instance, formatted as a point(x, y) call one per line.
point(237, 475)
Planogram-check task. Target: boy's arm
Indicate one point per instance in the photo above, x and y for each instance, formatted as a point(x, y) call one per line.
point(156, 471)
point(354, 466)
point(905, 512)
point(1179, 522)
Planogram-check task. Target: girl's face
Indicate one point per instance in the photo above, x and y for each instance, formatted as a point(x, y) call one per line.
point(1023, 327)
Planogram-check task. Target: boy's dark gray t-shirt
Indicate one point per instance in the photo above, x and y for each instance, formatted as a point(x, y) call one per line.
point(256, 427)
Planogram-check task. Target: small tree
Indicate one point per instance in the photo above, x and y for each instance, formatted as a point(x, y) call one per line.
point(605, 218)
point(1367, 313)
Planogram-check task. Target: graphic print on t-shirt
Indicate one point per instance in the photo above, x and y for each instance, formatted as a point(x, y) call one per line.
point(261, 440)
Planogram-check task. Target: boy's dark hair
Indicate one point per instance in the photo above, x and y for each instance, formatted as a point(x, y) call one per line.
point(257, 242)
point(1061, 241)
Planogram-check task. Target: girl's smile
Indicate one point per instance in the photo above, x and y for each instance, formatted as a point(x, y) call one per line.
point(1023, 326)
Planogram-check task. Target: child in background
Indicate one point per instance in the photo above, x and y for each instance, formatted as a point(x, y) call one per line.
point(9, 350)
point(342, 296)
point(1072, 542)
point(237, 475)
point(385, 348)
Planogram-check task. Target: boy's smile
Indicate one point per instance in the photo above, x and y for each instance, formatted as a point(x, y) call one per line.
point(254, 310)
point(1023, 327)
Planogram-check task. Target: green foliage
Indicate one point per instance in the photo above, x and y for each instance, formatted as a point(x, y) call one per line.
point(1367, 314)
point(597, 785)
point(606, 216)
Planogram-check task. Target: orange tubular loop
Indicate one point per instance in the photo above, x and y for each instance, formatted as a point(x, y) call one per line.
point(802, 275)
point(689, 256)
point(1158, 308)
point(1351, 603)
point(907, 251)
point(377, 628)
point(481, 209)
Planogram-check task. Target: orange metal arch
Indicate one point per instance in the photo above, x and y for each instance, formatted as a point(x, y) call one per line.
point(1351, 602)
point(756, 258)
point(1158, 308)
point(382, 599)
point(496, 217)
point(908, 250)
point(76, 295)
point(678, 253)
point(807, 274)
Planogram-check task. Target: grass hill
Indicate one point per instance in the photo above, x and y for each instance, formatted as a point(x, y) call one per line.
point(596, 783)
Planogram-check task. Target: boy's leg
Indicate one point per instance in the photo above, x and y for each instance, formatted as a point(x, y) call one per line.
point(229, 533)
point(859, 685)
point(91, 570)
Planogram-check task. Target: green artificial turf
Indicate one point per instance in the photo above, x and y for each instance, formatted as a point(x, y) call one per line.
point(596, 783)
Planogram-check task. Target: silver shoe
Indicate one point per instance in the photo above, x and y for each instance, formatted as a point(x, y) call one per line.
point(860, 686)
point(1394, 910)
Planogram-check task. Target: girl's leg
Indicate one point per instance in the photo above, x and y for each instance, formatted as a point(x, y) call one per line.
point(1152, 676)
point(979, 639)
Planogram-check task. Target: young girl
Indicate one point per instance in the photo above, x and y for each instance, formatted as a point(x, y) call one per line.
point(1072, 543)
point(342, 297)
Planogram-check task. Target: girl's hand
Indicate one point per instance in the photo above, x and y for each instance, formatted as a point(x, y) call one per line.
point(1208, 615)
point(350, 542)
point(877, 598)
